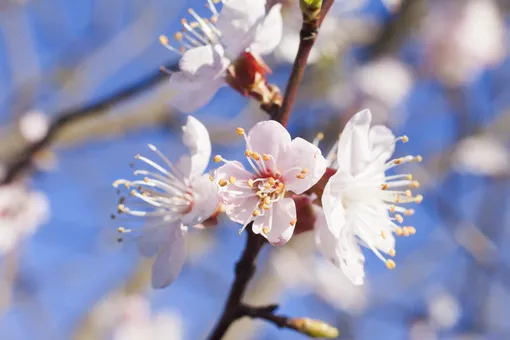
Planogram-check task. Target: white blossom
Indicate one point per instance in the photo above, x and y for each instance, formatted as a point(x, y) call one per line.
point(481, 155)
point(210, 46)
point(279, 166)
point(177, 197)
point(359, 198)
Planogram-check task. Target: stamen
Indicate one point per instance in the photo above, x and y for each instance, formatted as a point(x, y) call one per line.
point(266, 230)
point(211, 178)
point(392, 252)
point(390, 264)
point(222, 182)
point(250, 182)
point(255, 213)
point(240, 131)
point(304, 171)
point(409, 212)
point(293, 222)
point(405, 139)
point(217, 158)
point(231, 179)
point(418, 199)
point(399, 218)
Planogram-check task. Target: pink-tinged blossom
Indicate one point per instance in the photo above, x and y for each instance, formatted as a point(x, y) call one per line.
point(177, 196)
point(279, 166)
point(21, 213)
point(210, 48)
point(361, 204)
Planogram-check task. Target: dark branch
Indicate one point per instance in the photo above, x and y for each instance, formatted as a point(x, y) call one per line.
point(23, 160)
point(267, 313)
point(245, 268)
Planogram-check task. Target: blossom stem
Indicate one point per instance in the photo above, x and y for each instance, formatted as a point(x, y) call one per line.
point(307, 37)
point(244, 271)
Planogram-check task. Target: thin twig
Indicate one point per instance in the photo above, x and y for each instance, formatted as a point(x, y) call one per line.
point(23, 160)
point(308, 35)
point(267, 313)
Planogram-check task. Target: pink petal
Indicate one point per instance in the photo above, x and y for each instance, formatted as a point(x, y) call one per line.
point(154, 236)
point(190, 93)
point(283, 213)
point(301, 155)
point(169, 261)
point(269, 137)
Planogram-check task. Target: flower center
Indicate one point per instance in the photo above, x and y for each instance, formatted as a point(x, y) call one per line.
point(269, 190)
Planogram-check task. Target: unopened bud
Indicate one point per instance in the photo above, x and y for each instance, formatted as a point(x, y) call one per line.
point(315, 328)
point(311, 9)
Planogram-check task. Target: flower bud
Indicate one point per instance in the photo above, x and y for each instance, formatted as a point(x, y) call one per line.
point(311, 9)
point(315, 328)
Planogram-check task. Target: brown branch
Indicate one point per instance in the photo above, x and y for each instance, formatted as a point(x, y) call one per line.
point(24, 159)
point(245, 268)
point(308, 34)
point(267, 313)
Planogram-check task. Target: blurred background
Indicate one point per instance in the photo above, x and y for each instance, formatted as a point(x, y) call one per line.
point(437, 71)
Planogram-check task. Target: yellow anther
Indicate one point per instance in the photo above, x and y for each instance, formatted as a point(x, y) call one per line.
point(411, 230)
point(266, 230)
point(399, 231)
point(305, 171)
point(250, 183)
point(293, 222)
point(266, 157)
point(222, 208)
point(267, 185)
point(414, 184)
point(211, 178)
point(397, 199)
point(399, 218)
point(248, 153)
point(240, 131)
point(266, 207)
point(300, 176)
point(256, 156)
point(409, 212)
point(409, 177)
point(390, 264)
point(419, 158)
point(255, 213)
point(163, 39)
point(385, 186)
point(392, 209)
point(408, 193)
point(392, 252)
point(222, 182)
point(133, 192)
point(217, 158)
point(383, 235)
point(418, 199)
point(146, 179)
point(178, 36)
point(281, 185)
point(121, 229)
point(271, 180)
point(406, 231)
point(405, 139)
point(231, 179)
point(398, 161)
point(320, 136)
point(267, 200)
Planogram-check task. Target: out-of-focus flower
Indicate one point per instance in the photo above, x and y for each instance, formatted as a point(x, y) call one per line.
point(34, 126)
point(177, 197)
point(225, 48)
point(358, 199)
point(280, 165)
point(462, 41)
point(481, 155)
point(21, 213)
point(444, 310)
point(139, 323)
point(337, 30)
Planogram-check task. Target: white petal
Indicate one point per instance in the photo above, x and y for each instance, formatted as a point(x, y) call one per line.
point(169, 262)
point(152, 238)
point(205, 201)
point(200, 77)
point(332, 202)
point(284, 212)
point(196, 138)
point(269, 33)
point(269, 137)
point(302, 154)
point(353, 148)
point(238, 23)
point(374, 221)
point(381, 141)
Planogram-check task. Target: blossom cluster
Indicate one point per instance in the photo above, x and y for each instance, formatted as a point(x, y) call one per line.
point(283, 186)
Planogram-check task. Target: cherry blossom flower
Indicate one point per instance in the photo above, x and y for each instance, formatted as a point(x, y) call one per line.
point(21, 213)
point(225, 48)
point(358, 199)
point(280, 165)
point(481, 155)
point(177, 197)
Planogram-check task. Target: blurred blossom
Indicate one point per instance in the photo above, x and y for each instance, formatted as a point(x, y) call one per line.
point(392, 5)
point(463, 38)
point(337, 31)
point(137, 322)
point(421, 330)
point(481, 155)
point(179, 197)
point(444, 310)
point(225, 48)
point(21, 213)
point(34, 126)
